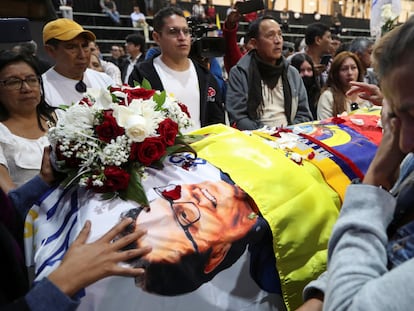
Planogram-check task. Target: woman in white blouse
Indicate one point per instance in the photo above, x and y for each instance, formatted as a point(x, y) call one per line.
point(333, 101)
point(24, 120)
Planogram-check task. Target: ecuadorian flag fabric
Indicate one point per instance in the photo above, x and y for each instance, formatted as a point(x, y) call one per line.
point(297, 178)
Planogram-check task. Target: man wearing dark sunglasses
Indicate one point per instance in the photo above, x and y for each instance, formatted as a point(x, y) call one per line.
point(67, 43)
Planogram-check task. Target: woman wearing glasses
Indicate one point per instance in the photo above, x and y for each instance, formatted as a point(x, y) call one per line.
point(24, 120)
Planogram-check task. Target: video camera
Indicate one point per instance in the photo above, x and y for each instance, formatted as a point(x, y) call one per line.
point(203, 46)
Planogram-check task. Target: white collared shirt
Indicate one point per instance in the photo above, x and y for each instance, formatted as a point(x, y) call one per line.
point(131, 65)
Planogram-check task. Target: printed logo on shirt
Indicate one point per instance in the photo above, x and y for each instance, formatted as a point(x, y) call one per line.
point(211, 94)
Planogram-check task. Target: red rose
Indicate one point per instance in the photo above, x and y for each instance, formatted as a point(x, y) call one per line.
point(116, 179)
point(184, 109)
point(115, 89)
point(139, 93)
point(168, 130)
point(86, 101)
point(109, 128)
point(149, 151)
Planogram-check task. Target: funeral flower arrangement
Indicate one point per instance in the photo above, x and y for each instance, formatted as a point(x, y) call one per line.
point(388, 18)
point(105, 141)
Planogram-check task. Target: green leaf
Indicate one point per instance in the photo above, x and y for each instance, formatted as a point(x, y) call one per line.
point(189, 139)
point(177, 148)
point(181, 145)
point(63, 107)
point(159, 99)
point(146, 84)
point(158, 164)
point(135, 190)
point(114, 98)
point(109, 195)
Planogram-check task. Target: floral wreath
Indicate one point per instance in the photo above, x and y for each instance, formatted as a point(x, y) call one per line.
point(106, 140)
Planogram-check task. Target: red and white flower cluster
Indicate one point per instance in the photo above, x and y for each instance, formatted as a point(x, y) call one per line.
point(105, 141)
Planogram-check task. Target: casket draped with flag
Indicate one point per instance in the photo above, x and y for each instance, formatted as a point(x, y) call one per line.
point(295, 180)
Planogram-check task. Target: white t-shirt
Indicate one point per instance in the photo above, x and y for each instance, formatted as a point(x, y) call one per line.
point(130, 67)
point(137, 17)
point(184, 86)
point(60, 90)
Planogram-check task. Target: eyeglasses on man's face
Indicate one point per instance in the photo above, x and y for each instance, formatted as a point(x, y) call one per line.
point(176, 31)
point(185, 213)
point(17, 84)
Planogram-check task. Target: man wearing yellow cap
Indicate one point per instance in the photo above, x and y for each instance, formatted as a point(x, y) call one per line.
point(68, 44)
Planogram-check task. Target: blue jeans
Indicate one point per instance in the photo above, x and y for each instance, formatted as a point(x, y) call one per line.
point(114, 16)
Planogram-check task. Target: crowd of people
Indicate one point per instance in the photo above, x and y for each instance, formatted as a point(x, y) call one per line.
point(370, 251)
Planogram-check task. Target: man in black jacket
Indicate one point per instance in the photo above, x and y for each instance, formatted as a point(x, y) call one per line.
point(174, 72)
point(135, 46)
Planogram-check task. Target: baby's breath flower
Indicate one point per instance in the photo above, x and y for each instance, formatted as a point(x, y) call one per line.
point(80, 137)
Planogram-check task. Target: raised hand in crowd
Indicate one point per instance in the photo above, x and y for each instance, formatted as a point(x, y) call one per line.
point(232, 19)
point(366, 91)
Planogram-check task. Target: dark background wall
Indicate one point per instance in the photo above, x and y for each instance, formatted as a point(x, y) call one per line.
point(41, 11)
point(37, 11)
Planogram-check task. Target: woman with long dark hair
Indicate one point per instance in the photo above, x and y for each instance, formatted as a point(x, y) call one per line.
point(333, 101)
point(24, 119)
point(304, 64)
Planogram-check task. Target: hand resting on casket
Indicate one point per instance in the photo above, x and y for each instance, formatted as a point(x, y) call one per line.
point(85, 264)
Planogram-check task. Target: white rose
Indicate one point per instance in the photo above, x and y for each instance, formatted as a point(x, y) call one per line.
point(146, 108)
point(136, 126)
point(386, 12)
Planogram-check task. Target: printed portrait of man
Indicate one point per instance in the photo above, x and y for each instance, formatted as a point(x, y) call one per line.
point(199, 224)
point(195, 231)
